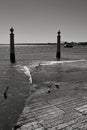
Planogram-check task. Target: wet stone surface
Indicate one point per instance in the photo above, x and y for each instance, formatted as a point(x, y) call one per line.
point(57, 110)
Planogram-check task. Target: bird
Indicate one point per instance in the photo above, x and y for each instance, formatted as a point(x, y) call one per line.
point(16, 127)
point(36, 67)
point(39, 65)
point(49, 91)
point(5, 93)
point(49, 86)
point(57, 86)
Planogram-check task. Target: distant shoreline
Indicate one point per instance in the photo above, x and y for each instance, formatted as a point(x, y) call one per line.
point(28, 44)
point(32, 44)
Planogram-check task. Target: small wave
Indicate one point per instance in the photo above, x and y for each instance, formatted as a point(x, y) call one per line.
point(28, 73)
point(25, 70)
point(28, 69)
point(36, 64)
point(56, 62)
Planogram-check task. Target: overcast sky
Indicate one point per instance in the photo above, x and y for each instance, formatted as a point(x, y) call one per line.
point(39, 20)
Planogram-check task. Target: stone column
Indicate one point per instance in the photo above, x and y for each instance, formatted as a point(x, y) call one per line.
point(58, 53)
point(12, 48)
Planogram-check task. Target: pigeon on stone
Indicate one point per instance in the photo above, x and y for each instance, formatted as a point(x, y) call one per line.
point(57, 86)
point(39, 65)
point(49, 91)
point(49, 86)
point(5, 93)
point(16, 127)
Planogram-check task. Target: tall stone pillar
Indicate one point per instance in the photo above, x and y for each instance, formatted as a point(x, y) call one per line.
point(12, 48)
point(58, 53)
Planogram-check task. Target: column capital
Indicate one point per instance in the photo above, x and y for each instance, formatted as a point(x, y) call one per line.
point(59, 32)
point(12, 30)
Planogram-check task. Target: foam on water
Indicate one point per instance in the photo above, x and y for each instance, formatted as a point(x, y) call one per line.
point(36, 64)
point(26, 71)
point(56, 62)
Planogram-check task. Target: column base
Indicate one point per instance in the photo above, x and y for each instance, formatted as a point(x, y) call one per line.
point(12, 58)
point(58, 55)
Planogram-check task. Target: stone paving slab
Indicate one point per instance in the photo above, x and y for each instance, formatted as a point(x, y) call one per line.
point(53, 111)
point(82, 109)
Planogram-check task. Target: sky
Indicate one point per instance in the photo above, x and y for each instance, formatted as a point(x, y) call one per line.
point(39, 20)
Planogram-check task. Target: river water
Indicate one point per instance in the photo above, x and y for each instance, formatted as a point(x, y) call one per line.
point(15, 80)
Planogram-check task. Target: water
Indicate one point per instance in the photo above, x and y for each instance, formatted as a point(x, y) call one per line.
point(16, 77)
point(27, 54)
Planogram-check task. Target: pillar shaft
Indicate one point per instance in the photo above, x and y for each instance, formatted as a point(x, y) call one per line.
point(12, 48)
point(58, 54)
